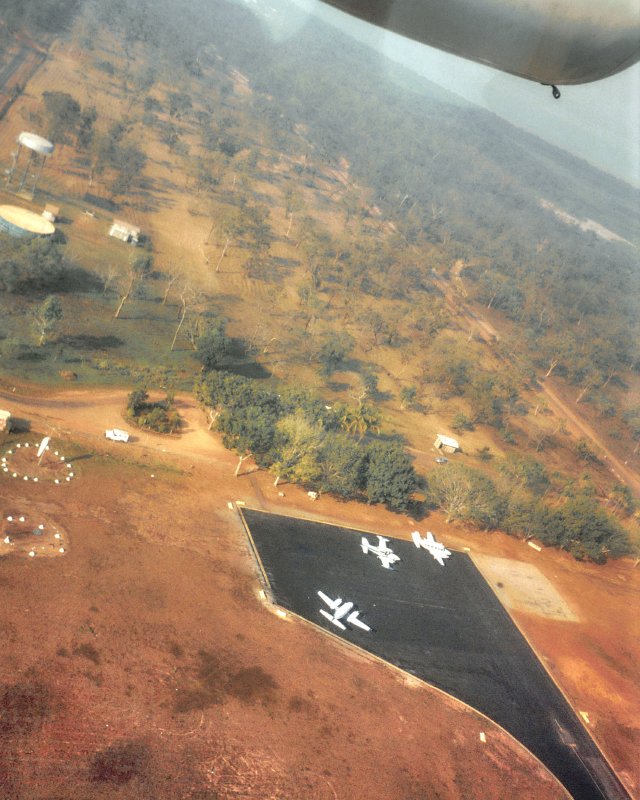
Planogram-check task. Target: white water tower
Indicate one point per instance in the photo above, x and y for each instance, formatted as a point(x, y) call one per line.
point(38, 149)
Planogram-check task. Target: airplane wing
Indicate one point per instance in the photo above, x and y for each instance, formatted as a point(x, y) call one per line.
point(352, 619)
point(417, 539)
point(439, 557)
point(549, 41)
point(431, 539)
point(332, 619)
point(333, 604)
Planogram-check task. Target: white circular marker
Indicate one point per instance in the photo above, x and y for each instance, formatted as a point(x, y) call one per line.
point(61, 550)
point(31, 553)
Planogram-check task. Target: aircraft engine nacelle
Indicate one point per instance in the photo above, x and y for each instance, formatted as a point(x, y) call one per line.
point(549, 41)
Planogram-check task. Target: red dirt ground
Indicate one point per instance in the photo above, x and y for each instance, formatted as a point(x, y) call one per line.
point(149, 631)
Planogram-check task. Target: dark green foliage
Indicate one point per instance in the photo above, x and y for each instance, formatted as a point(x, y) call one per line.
point(333, 352)
point(85, 131)
point(581, 526)
point(526, 472)
point(389, 475)
point(588, 532)
point(461, 422)
point(159, 416)
point(408, 396)
point(213, 346)
point(248, 417)
point(63, 114)
point(36, 265)
point(585, 453)
point(121, 762)
point(45, 317)
point(136, 402)
point(342, 462)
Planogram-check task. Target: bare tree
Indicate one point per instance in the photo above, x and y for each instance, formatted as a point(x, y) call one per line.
point(139, 269)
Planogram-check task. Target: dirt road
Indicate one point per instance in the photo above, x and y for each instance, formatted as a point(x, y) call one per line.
point(475, 323)
point(89, 412)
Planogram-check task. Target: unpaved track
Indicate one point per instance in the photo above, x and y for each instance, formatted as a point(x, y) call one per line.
point(90, 412)
point(575, 422)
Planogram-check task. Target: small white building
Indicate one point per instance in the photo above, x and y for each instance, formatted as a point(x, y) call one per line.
point(446, 444)
point(124, 231)
point(5, 420)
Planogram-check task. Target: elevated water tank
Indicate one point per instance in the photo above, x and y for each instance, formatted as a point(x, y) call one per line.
point(36, 143)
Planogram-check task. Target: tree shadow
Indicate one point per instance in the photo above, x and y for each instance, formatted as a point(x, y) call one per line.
point(83, 341)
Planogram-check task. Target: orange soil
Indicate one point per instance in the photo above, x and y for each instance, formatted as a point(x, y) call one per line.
point(164, 560)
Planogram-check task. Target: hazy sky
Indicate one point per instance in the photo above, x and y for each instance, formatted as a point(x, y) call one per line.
point(599, 122)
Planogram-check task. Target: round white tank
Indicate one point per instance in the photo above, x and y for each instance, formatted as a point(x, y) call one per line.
point(22, 223)
point(37, 143)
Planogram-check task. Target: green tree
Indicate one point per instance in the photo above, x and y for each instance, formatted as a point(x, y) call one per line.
point(589, 532)
point(358, 420)
point(136, 402)
point(526, 472)
point(213, 346)
point(295, 448)
point(333, 352)
point(389, 475)
point(408, 397)
point(342, 464)
point(85, 129)
point(139, 268)
point(46, 316)
point(63, 115)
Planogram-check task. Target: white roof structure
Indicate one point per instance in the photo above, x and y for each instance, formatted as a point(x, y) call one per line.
point(446, 441)
point(124, 231)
